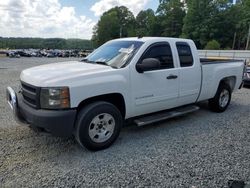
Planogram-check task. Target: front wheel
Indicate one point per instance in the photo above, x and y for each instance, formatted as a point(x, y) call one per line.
point(222, 99)
point(98, 125)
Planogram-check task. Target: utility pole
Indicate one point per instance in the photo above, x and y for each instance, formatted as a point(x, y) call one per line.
point(235, 34)
point(120, 31)
point(248, 38)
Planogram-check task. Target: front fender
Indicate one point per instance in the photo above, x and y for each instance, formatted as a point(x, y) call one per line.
point(96, 85)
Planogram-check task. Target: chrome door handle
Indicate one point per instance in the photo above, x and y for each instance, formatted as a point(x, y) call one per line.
point(171, 77)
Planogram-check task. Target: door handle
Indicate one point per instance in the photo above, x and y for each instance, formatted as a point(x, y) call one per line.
point(171, 77)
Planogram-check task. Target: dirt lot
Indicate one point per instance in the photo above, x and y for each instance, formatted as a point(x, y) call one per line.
point(202, 149)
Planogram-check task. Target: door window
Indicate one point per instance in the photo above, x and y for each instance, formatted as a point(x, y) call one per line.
point(163, 53)
point(185, 54)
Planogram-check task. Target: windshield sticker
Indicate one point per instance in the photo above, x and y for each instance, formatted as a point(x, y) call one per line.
point(101, 60)
point(127, 50)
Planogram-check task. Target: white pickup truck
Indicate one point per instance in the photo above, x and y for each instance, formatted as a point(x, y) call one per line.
point(141, 79)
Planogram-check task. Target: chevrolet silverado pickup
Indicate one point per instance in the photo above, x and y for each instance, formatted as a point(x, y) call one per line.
point(145, 80)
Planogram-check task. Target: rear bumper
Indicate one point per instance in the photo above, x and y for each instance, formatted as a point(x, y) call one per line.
point(57, 122)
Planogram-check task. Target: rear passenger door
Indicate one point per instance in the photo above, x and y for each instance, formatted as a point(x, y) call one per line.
point(157, 89)
point(190, 74)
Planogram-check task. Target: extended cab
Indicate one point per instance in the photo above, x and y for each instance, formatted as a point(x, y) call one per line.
point(141, 79)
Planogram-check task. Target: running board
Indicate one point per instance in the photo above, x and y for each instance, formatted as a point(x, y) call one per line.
point(165, 115)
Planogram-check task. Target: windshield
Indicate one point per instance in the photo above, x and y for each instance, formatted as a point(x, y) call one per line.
point(115, 54)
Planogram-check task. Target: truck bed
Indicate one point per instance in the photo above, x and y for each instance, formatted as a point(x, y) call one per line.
point(207, 61)
point(214, 70)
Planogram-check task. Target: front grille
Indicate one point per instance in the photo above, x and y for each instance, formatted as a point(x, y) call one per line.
point(30, 95)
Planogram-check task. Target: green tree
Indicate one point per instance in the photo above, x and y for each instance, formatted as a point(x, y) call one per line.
point(116, 22)
point(207, 20)
point(198, 20)
point(145, 23)
point(39, 43)
point(170, 15)
point(126, 22)
point(223, 25)
point(243, 24)
point(213, 45)
point(202, 21)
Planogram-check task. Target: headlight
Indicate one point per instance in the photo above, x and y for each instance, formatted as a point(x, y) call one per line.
point(55, 98)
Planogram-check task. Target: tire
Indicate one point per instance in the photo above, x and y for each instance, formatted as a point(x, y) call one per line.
point(222, 99)
point(98, 125)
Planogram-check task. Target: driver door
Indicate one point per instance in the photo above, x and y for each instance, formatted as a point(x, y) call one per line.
point(156, 90)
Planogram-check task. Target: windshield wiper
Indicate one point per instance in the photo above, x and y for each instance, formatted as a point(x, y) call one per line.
point(86, 61)
point(101, 63)
point(104, 63)
point(97, 62)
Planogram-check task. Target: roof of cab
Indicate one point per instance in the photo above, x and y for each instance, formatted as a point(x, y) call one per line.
point(152, 39)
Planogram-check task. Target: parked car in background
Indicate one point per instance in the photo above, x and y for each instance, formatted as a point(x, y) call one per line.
point(13, 54)
point(247, 77)
point(48, 53)
point(24, 53)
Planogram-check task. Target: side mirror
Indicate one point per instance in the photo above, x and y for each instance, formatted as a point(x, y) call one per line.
point(148, 65)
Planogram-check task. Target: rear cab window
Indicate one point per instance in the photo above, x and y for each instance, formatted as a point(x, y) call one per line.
point(185, 54)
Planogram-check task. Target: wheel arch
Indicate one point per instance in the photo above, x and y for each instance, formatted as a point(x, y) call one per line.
point(116, 99)
point(230, 81)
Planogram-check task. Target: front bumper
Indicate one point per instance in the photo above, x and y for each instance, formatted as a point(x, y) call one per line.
point(57, 122)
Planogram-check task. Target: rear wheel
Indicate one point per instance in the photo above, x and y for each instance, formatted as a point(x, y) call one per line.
point(98, 125)
point(222, 98)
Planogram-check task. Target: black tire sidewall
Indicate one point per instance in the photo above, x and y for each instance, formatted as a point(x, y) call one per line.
point(84, 119)
point(215, 102)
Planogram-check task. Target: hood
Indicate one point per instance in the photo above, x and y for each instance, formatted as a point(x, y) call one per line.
point(56, 73)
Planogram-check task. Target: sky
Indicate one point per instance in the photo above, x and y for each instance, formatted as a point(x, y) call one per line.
point(59, 18)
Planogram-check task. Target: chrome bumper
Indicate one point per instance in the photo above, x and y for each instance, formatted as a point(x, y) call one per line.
point(13, 102)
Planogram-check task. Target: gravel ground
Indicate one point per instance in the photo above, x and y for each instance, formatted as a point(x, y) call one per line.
point(202, 149)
